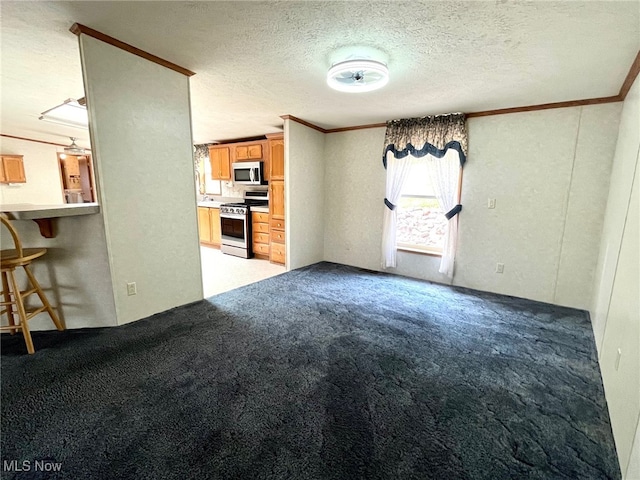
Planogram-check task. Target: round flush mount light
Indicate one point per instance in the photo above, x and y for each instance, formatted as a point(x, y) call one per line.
point(358, 75)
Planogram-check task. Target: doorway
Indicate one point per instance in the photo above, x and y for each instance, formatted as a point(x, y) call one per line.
point(76, 175)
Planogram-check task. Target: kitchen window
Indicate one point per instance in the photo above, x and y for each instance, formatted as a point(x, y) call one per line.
point(421, 224)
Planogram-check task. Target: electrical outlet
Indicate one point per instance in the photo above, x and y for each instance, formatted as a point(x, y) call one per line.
point(499, 267)
point(491, 203)
point(131, 288)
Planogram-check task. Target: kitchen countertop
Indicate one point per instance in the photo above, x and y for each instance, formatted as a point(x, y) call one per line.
point(210, 204)
point(215, 202)
point(29, 211)
point(44, 215)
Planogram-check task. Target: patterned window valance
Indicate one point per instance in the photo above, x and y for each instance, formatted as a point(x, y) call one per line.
point(432, 135)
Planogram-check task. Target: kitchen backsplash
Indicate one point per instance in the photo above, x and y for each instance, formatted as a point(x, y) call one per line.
point(227, 189)
point(231, 190)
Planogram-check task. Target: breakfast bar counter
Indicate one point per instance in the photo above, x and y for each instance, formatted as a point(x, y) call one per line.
point(44, 214)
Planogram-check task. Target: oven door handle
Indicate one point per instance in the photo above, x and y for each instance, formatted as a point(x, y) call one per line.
point(237, 216)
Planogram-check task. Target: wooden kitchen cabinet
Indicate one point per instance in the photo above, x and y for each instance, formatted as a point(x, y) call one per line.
point(276, 158)
point(209, 226)
point(216, 229)
point(277, 222)
point(277, 254)
point(12, 169)
point(71, 173)
point(248, 151)
point(220, 159)
point(71, 165)
point(276, 199)
point(260, 234)
point(204, 224)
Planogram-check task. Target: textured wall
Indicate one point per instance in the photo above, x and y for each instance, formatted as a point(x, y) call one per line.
point(546, 169)
point(353, 199)
point(305, 174)
point(41, 169)
point(615, 311)
point(143, 154)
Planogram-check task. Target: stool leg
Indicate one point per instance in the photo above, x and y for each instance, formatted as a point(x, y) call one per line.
point(22, 314)
point(7, 298)
point(43, 299)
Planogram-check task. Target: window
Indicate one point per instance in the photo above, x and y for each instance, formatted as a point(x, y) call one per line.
point(421, 224)
point(211, 187)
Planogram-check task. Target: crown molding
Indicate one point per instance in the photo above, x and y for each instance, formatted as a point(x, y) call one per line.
point(32, 140)
point(78, 29)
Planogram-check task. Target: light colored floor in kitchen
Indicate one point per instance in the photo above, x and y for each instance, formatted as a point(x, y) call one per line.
point(221, 273)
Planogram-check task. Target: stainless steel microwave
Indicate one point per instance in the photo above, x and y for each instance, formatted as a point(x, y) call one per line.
point(248, 173)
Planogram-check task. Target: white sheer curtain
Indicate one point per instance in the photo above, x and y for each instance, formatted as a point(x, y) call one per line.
point(444, 174)
point(397, 171)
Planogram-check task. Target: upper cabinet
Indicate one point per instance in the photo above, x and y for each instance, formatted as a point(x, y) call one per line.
point(248, 151)
point(276, 154)
point(12, 169)
point(71, 172)
point(220, 158)
point(270, 151)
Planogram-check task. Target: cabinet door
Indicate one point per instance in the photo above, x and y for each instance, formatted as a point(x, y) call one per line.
point(242, 152)
point(13, 169)
point(216, 232)
point(276, 199)
point(276, 166)
point(278, 253)
point(220, 159)
point(71, 166)
point(204, 224)
point(254, 152)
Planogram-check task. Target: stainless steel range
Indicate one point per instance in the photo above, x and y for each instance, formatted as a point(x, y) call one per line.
point(235, 223)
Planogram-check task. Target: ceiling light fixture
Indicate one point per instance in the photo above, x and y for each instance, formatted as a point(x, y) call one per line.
point(74, 149)
point(70, 113)
point(358, 75)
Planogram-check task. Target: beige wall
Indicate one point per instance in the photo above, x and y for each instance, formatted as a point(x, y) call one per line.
point(548, 171)
point(305, 173)
point(615, 309)
point(41, 170)
point(143, 156)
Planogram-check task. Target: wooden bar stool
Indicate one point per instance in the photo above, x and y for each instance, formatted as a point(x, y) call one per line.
point(11, 293)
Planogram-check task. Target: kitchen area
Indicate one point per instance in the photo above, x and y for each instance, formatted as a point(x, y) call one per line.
point(241, 214)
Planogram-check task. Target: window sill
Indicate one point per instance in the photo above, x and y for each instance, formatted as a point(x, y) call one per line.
point(421, 252)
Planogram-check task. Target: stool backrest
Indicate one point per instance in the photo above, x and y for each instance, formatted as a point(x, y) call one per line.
point(14, 234)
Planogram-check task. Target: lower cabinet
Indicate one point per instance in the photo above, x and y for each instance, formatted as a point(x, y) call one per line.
point(209, 226)
point(276, 222)
point(277, 241)
point(260, 229)
point(277, 253)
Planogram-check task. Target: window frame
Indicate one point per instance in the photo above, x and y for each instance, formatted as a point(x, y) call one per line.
point(429, 251)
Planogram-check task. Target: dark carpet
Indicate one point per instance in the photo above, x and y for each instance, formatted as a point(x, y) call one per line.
point(327, 372)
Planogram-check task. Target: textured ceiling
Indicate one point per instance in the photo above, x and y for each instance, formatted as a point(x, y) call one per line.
point(255, 61)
